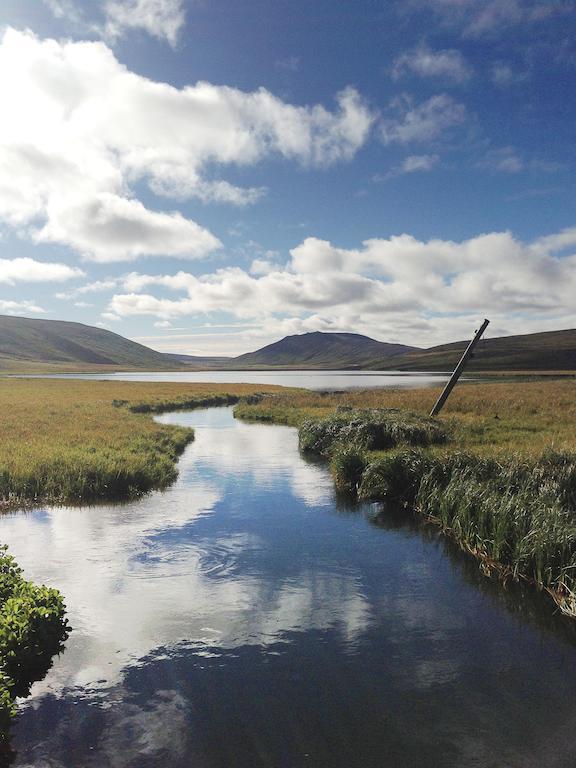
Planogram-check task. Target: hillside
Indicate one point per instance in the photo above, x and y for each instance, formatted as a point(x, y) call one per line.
point(552, 351)
point(31, 344)
point(320, 350)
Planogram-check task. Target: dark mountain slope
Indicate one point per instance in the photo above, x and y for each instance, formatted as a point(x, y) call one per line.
point(552, 351)
point(320, 350)
point(25, 341)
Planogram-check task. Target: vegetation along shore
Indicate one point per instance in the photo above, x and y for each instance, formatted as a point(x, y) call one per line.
point(497, 472)
point(76, 441)
point(73, 441)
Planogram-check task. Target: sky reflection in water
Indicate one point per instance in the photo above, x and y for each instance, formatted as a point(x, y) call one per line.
point(244, 618)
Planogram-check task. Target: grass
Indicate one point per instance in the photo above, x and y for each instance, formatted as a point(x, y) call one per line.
point(72, 441)
point(497, 471)
point(491, 419)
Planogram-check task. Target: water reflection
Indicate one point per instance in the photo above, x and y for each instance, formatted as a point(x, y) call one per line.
point(320, 380)
point(242, 618)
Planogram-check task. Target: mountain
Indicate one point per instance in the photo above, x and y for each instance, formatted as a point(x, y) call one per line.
point(549, 351)
point(320, 350)
point(27, 344)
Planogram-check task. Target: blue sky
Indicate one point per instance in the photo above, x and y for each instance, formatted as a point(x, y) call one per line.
point(207, 177)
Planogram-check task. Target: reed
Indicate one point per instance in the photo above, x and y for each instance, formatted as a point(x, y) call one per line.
point(497, 472)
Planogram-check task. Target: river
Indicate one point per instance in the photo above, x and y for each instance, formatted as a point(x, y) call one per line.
point(246, 618)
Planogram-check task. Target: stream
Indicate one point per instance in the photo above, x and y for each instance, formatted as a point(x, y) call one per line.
point(247, 618)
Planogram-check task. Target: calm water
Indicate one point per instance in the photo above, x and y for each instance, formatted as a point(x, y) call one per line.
point(245, 619)
point(327, 380)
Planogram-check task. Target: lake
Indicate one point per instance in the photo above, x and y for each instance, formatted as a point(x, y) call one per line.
point(247, 618)
point(320, 380)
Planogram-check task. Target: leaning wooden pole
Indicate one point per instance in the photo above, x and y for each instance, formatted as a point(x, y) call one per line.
point(458, 370)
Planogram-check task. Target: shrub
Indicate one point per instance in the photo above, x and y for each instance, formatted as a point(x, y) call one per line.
point(32, 630)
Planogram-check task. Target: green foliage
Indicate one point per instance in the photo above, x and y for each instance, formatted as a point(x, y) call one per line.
point(369, 430)
point(32, 630)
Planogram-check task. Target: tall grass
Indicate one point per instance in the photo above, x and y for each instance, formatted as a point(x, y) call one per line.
point(505, 490)
point(72, 441)
point(369, 430)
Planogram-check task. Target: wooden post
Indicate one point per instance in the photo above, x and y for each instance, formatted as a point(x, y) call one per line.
point(458, 370)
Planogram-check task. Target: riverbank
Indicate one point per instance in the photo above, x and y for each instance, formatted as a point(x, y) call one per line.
point(497, 472)
point(75, 441)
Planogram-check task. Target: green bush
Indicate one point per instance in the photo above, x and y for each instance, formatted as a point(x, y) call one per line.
point(32, 630)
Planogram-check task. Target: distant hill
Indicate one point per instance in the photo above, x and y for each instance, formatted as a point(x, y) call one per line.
point(28, 343)
point(551, 351)
point(198, 361)
point(320, 350)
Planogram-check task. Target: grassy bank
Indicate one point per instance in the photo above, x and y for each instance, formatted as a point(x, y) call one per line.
point(32, 630)
point(497, 471)
point(71, 440)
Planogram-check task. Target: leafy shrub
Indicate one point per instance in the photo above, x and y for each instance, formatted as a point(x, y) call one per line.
point(32, 630)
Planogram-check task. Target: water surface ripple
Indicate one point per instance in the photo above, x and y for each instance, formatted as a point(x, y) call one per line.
point(245, 618)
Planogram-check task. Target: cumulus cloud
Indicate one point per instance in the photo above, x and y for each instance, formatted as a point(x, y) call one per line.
point(411, 122)
point(31, 271)
point(79, 131)
point(20, 307)
point(398, 288)
point(111, 228)
point(163, 19)
point(422, 61)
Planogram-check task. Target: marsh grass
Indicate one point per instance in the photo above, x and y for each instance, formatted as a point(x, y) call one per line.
point(497, 474)
point(73, 441)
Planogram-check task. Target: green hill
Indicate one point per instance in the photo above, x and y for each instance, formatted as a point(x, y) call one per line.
point(320, 350)
point(31, 344)
point(549, 351)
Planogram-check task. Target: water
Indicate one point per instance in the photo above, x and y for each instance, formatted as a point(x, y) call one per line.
point(320, 380)
point(246, 619)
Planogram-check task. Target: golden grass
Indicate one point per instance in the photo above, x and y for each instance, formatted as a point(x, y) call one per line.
point(486, 418)
point(65, 440)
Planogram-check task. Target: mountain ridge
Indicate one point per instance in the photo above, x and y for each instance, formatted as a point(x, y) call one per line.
point(40, 345)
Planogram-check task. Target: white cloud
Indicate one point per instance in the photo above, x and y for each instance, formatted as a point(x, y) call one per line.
point(421, 122)
point(31, 271)
point(504, 159)
point(163, 19)
point(20, 307)
point(410, 164)
point(422, 61)
point(69, 177)
point(419, 163)
point(489, 18)
point(398, 288)
point(262, 267)
point(111, 228)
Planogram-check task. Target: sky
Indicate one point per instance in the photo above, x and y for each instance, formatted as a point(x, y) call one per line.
point(208, 176)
